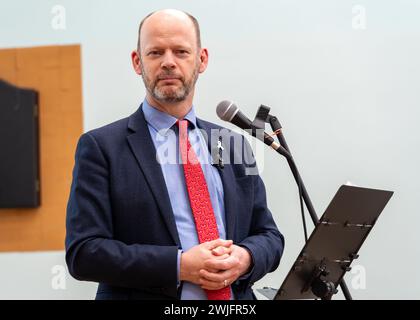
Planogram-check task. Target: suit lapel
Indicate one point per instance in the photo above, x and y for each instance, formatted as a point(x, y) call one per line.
point(144, 150)
point(226, 174)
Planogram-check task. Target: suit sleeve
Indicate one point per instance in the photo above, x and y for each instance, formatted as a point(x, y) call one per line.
point(91, 252)
point(265, 242)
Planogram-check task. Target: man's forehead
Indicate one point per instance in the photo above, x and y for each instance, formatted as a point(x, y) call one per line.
point(158, 42)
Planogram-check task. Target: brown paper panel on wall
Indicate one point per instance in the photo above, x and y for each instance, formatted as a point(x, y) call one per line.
point(55, 72)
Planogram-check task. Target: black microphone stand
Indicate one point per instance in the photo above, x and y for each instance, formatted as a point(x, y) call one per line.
point(263, 117)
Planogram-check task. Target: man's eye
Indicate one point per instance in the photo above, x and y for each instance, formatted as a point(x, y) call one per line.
point(182, 52)
point(154, 53)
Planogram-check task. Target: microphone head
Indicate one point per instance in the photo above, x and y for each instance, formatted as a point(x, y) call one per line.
point(226, 110)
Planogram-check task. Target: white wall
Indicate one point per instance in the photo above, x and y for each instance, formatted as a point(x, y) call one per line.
point(40, 275)
point(347, 99)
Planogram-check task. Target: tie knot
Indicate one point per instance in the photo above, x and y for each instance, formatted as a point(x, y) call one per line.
point(184, 124)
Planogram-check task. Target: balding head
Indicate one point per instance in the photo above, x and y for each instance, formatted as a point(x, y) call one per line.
point(169, 57)
point(169, 19)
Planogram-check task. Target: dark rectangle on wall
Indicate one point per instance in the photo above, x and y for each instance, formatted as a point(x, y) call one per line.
point(19, 147)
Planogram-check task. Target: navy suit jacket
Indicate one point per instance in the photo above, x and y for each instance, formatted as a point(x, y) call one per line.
point(121, 230)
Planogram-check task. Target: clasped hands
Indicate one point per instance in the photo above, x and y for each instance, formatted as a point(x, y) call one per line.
point(215, 264)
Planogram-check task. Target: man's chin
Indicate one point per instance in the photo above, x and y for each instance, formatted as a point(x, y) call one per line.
point(169, 98)
point(168, 89)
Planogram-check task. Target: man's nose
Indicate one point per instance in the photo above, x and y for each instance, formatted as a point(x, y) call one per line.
point(168, 61)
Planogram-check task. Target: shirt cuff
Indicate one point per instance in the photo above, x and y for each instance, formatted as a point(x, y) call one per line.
point(178, 282)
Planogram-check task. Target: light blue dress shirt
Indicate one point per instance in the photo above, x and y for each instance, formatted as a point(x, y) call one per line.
point(164, 133)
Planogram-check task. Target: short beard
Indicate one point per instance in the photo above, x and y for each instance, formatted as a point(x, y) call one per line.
point(172, 96)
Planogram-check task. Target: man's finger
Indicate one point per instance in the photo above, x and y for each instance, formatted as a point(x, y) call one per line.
point(216, 276)
point(222, 250)
point(217, 243)
point(210, 285)
point(222, 257)
point(221, 264)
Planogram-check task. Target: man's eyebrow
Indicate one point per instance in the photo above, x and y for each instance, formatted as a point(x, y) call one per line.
point(177, 46)
point(183, 47)
point(152, 48)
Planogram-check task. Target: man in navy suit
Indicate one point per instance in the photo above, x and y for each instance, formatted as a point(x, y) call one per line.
point(130, 226)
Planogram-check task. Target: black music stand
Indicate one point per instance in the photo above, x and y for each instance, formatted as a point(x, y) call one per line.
point(333, 244)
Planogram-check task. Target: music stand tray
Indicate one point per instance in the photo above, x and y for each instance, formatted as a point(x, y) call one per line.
point(334, 243)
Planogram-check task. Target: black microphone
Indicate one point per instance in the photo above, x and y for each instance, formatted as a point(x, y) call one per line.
point(228, 111)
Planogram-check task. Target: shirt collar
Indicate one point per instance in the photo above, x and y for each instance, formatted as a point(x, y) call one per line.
point(161, 121)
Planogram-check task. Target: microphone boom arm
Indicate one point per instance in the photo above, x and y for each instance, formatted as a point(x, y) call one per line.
point(263, 116)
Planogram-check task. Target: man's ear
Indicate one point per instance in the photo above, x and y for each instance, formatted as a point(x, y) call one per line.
point(135, 59)
point(204, 60)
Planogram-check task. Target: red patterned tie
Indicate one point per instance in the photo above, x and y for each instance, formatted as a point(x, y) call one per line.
point(205, 221)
